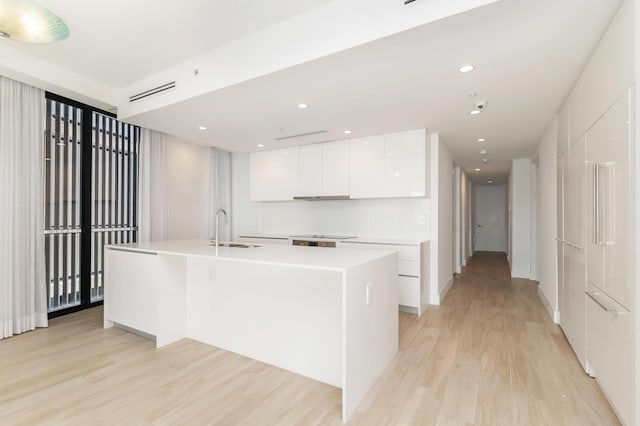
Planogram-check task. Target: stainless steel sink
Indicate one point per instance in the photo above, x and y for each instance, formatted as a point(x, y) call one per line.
point(235, 245)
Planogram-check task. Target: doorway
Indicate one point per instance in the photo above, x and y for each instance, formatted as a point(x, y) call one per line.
point(490, 218)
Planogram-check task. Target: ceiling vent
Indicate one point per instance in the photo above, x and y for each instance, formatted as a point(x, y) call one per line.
point(301, 135)
point(151, 92)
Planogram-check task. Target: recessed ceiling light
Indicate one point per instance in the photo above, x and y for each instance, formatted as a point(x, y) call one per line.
point(485, 160)
point(347, 132)
point(260, 145)
point(202, 128)
point(490, 181)
point(302, 106)
point(475, 112)
point(483, 151)
point(477, 170)
point(466, 68)
point(481, 140)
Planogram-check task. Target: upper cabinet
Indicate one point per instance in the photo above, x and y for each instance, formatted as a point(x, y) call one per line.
point(405, 162)
point(393, 165)
point(273, 175)
point(366, 171)
point(324, 170)
point(384, 166)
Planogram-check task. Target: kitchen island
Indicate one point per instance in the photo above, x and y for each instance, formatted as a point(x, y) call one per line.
point(327, 314)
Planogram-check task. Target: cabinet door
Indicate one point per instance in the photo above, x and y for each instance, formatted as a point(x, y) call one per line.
point(610, 350)
point(405, 161)
point(575, 206)
point(310, 170)
point(574, 325)
point(273, 175)
point(564, 135)
point(366, 167)
point(610, 138)
point(335, 171)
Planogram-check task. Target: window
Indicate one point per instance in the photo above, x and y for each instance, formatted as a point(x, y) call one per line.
point(91, 171)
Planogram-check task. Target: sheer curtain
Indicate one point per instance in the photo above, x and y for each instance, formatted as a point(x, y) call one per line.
point(152, 201)
point(219, 190)
point(23, 292)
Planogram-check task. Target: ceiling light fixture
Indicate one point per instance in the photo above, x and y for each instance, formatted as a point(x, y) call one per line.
point(483, 151)
point(202, 128)
point(481, 140)
point(466, 68)
point(347, 132)
point(302, 106)
point(260, 145)
point(477, 170)
point(485, 160)
point(475, 112)
point(31, 22)
point(490, 181)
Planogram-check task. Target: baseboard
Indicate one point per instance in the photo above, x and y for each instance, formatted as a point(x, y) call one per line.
point(516, 273)
point(553, 313)
point(443, 292)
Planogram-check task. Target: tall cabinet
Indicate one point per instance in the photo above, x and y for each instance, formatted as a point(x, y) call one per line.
point(610, 275)
point(595, 249)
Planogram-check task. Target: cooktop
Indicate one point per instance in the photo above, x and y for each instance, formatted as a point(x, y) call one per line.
point(323, 236)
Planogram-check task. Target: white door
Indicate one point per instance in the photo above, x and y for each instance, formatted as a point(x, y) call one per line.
point(490, 217)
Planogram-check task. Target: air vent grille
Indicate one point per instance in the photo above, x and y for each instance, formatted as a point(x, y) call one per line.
point(318, 132)
point(154, 91)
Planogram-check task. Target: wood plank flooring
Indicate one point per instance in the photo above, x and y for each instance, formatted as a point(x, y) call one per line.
point(489, 355)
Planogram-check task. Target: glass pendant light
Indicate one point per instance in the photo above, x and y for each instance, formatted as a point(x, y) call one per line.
point(31, 22)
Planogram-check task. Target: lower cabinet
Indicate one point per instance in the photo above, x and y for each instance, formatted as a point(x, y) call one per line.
point(610, 350)
point(413, 274)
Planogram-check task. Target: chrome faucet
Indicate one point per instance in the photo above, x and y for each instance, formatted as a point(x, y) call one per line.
point(226, 220)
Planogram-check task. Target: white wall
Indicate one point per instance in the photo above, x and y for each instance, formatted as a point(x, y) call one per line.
point(187, 186)
point(464, 218)
point(547, 207)
point(444, 227)
point(245, 214)
point(521, 218)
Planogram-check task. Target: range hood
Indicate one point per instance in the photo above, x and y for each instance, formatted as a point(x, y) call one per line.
point(321, 197)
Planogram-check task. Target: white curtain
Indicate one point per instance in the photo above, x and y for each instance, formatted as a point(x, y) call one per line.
point(219, 191)
point(152, 184)
point(23, 292)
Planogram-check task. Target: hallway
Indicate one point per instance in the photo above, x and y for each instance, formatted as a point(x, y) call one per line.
point(489, 355)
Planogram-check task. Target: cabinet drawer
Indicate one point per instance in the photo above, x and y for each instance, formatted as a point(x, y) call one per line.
point(409, 267)
point(409, 292)
point(404, 252)
point(610, 350)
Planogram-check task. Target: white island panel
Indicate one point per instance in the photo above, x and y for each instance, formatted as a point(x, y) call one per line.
point(284, 316)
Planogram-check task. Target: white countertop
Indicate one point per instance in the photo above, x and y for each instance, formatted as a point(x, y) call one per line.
point(308, 257)
point(359, 239)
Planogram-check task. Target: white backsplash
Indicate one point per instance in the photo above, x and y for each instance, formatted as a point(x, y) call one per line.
point(399, 217)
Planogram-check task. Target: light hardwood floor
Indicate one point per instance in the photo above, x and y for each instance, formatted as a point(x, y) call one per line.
point(489, 355)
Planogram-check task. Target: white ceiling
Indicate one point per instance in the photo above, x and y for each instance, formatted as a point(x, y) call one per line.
point(527, 54)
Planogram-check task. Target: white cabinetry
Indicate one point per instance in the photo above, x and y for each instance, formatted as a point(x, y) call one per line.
point(324, 170)
point(413, 272)
point(610, 266)
point(366, 167)
point(393, 165)
point(609, 244)
point(273, 175)
point(404, 164)
point(573, 315)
